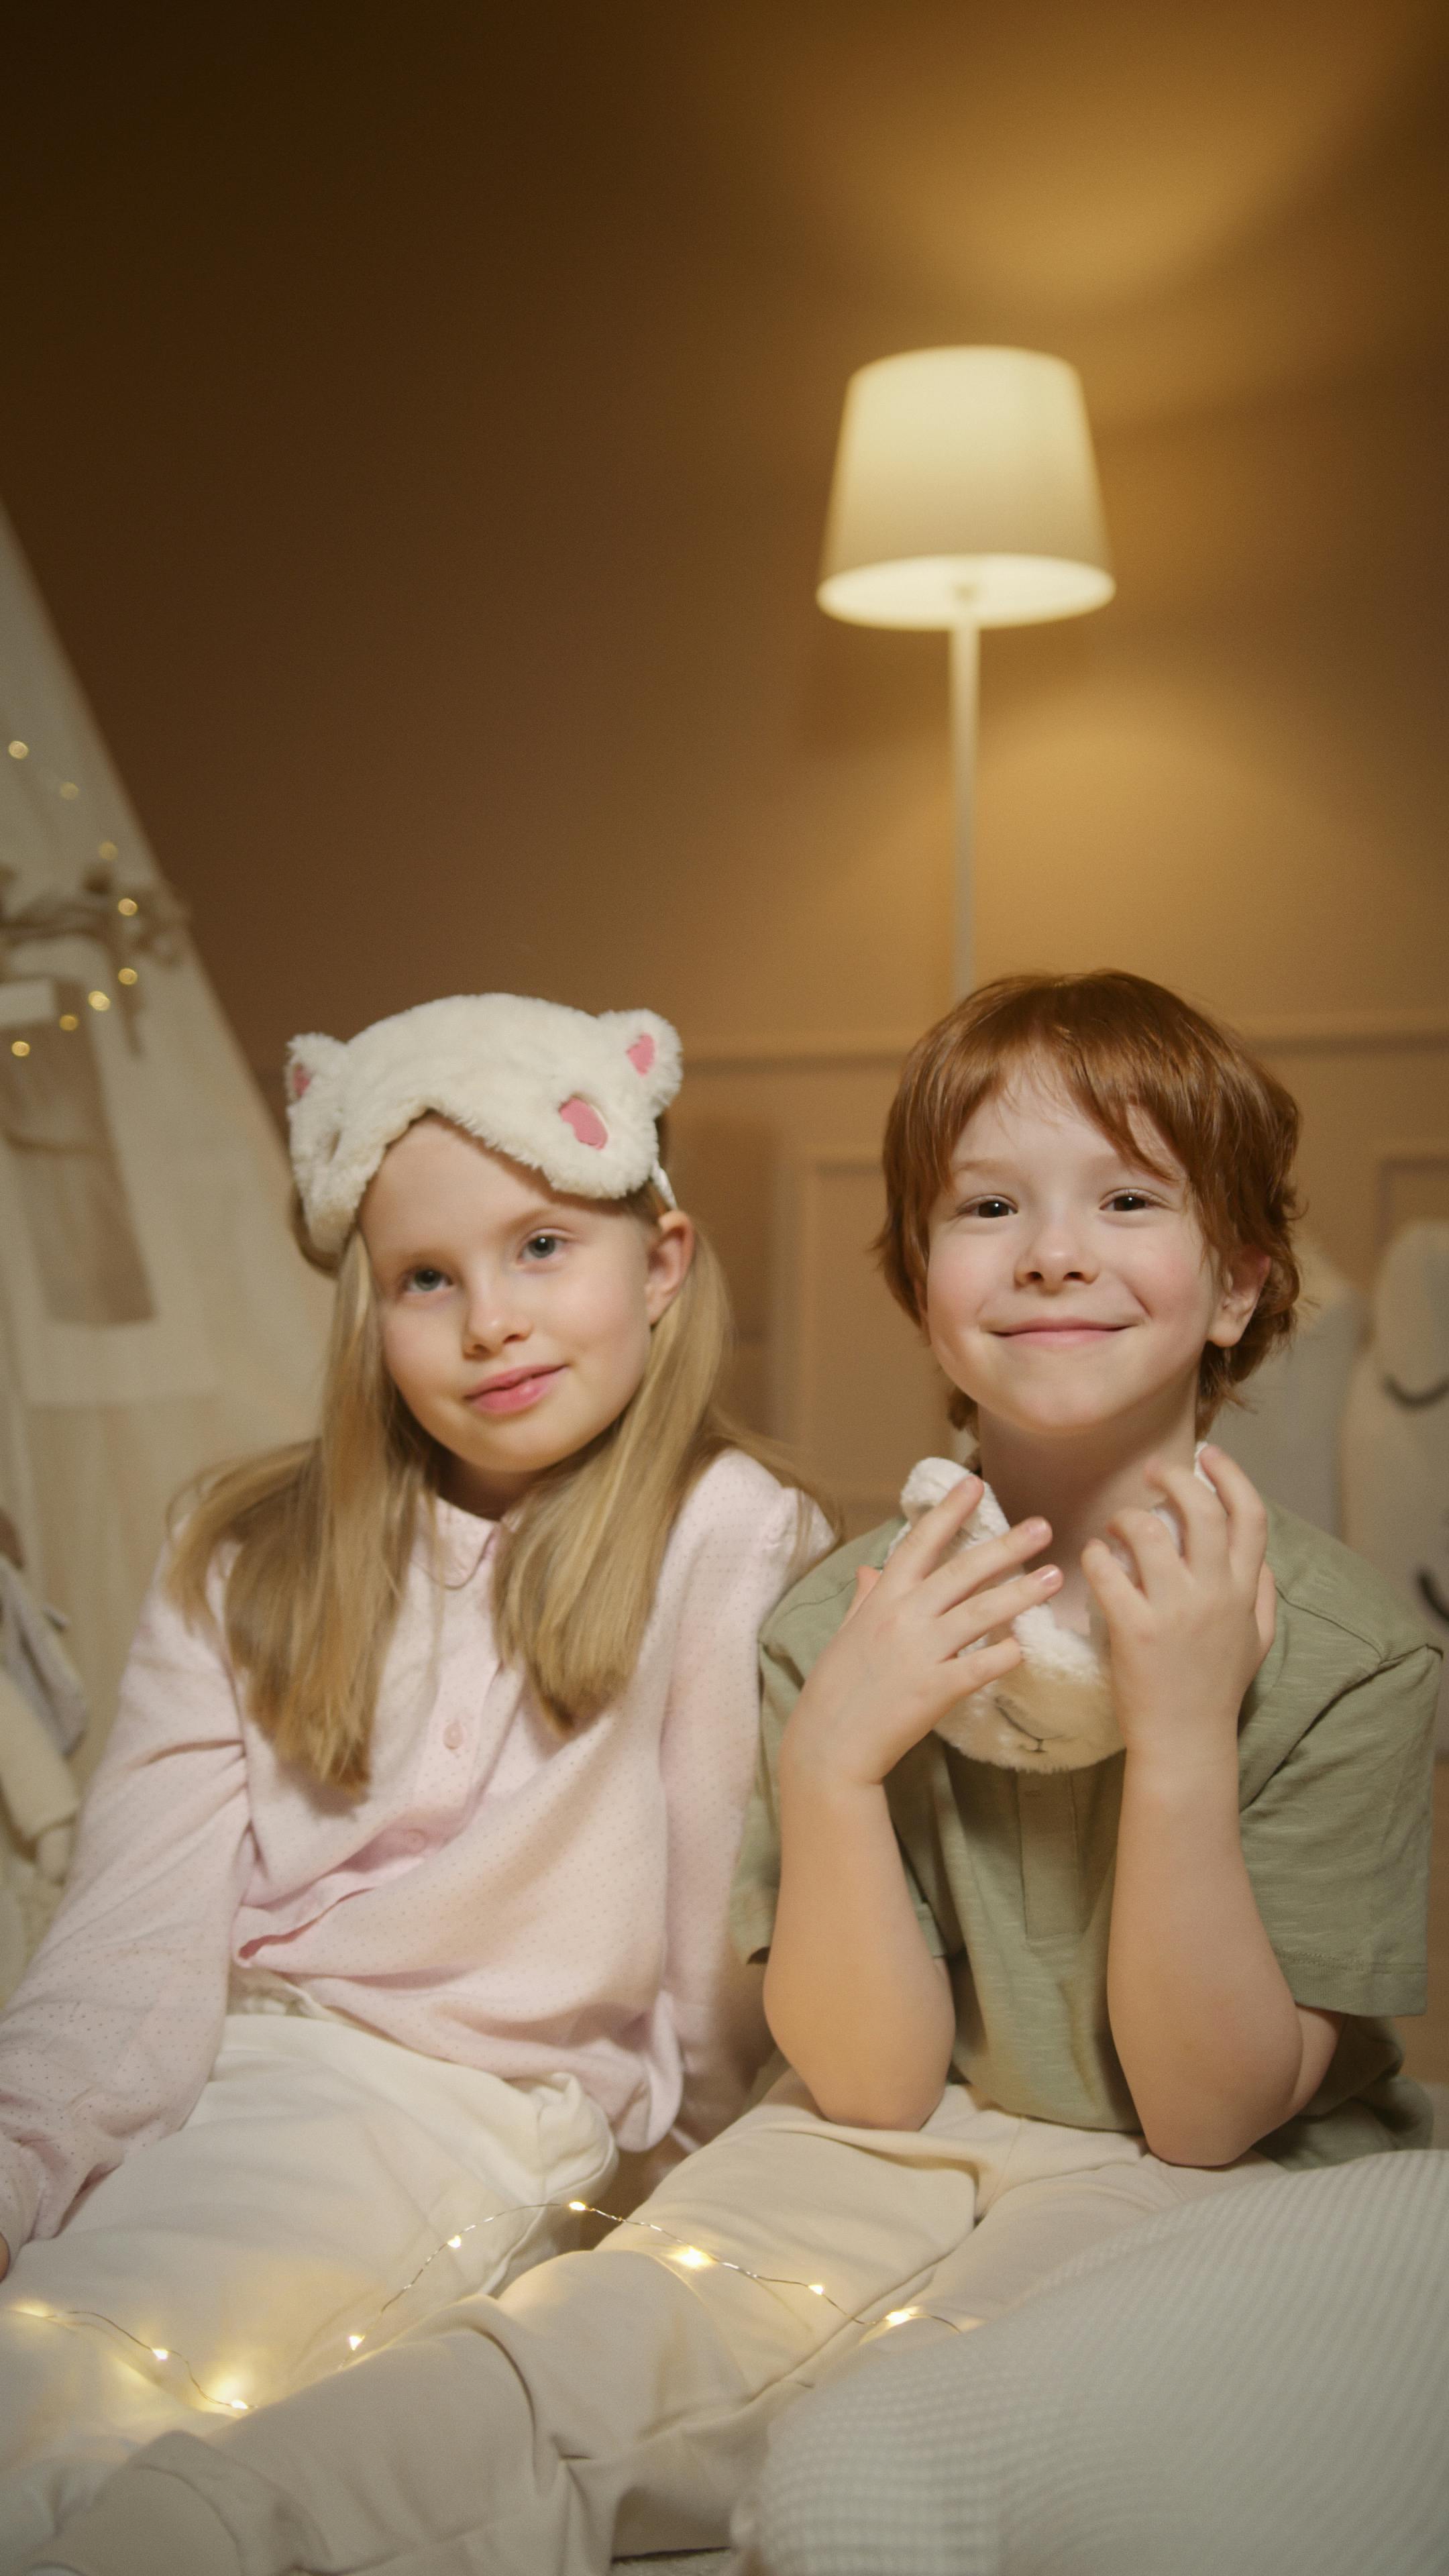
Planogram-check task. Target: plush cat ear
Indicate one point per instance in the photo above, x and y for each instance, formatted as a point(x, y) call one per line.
point(652, 1048)
point(306, 1058)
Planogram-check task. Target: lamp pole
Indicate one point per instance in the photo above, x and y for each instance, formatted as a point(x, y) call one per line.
point(965, 685)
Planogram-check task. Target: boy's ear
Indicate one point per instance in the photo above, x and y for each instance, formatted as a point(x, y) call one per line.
point(1241, 1285)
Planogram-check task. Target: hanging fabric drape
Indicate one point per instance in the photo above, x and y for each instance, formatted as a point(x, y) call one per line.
point(154, 1313)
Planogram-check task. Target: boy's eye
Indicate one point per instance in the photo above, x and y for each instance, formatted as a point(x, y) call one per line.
point(1120, 1199)
point(988, 1207)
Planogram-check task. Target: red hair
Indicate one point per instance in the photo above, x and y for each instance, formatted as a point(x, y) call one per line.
point(1116, 1045)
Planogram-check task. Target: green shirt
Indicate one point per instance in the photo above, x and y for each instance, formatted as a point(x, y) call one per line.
point(1011, 1872)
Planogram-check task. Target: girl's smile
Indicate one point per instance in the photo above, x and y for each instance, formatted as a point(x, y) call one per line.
point(515, 1389)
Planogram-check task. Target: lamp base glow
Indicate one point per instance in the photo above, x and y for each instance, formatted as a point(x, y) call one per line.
point(965, 684)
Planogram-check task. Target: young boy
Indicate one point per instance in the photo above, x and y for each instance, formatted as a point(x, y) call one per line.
point(1025, 2008)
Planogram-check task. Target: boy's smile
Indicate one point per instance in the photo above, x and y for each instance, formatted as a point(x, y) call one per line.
point(1068, 1287)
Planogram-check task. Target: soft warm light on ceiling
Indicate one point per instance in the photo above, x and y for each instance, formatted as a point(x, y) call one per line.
point(964, 484)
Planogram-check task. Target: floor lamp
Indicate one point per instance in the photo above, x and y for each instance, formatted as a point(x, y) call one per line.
point(965, 495)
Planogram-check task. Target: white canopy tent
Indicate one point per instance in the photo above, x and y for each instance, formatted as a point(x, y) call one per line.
point(154, 1313)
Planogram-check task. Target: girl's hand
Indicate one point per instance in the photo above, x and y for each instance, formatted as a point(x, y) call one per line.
point(918, 1637)
point(1190, 1631)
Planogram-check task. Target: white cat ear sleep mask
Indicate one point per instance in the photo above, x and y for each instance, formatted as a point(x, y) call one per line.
point(1054, 1711)
point(572, 1096)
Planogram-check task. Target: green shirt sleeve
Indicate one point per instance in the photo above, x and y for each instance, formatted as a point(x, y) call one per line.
point(1336, 1843)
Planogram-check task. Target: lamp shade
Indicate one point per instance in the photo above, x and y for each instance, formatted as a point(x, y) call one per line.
point(964, 486)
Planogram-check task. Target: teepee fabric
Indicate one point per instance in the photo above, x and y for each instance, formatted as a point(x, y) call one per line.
point(154, 1313)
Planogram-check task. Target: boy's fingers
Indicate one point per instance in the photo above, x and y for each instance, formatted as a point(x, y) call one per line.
point(934, 1531)
point(1265, 1609)
point(1151, 1545)
point(987, 1611)
point(975, 1666)
point(866, 1579)
point(969, 1569)
point(1108, 1578)
point(1201, 1511)
point(1246, 1511)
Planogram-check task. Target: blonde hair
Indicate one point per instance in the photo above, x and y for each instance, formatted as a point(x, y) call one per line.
point(312, 1543)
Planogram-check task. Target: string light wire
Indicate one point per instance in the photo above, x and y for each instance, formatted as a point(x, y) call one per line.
point(693, 2257)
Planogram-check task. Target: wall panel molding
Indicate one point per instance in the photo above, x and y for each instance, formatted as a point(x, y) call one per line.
point(1398, 1167)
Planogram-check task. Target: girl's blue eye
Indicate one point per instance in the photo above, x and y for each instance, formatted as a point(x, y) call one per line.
point(542, 1245)
point(425, 1277)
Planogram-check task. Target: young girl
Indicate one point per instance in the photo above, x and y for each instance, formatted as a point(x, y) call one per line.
point(1035, 1997)
point(433, 1747)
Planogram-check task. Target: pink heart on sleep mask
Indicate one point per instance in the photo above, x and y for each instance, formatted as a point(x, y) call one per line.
point(585, 1121)
point(641, 1054)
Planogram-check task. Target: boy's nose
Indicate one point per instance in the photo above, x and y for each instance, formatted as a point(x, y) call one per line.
point(1056, 1253)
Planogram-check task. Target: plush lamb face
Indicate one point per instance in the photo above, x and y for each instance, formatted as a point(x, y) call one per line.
point(1055, 1711)
point(573, 1096)
point(1396, 1435)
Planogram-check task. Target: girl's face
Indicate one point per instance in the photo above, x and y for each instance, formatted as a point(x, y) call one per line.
point(515, 1324)
point(1068, 1289)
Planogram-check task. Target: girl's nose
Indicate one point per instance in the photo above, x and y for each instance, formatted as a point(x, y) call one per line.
point(493, 1319)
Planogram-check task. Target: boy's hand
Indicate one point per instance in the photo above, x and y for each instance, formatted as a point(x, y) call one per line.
point(917, 1638)
point(1190, 1631)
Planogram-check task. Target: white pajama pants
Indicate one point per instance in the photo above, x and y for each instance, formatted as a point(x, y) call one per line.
point(320, 2169)
point(618, 2402)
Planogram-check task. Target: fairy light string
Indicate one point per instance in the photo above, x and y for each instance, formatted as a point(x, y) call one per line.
point(141, 918)
point(692, 2257)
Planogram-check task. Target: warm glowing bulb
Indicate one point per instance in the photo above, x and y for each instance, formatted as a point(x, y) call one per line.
point(99, 1001)
point(68, 1020)
point(69, 790)
point(20, 751)
point(128, 975)
point(238, 2405)
point(816, 2289)
point(354, 2341)
point(20, 1046)
point(159, 2352)
point(692, 2255)
point(900, 2316)
point(128, 905)
point(455, 2242)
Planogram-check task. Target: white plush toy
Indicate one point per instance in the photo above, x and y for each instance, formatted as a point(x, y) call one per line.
point(1396, 1435)
point(1054, 1711)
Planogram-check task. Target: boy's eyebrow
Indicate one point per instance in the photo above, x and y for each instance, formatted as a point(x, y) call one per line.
point(1109, 1158)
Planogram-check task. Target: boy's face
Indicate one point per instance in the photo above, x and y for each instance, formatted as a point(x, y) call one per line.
point(1066, 1288)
